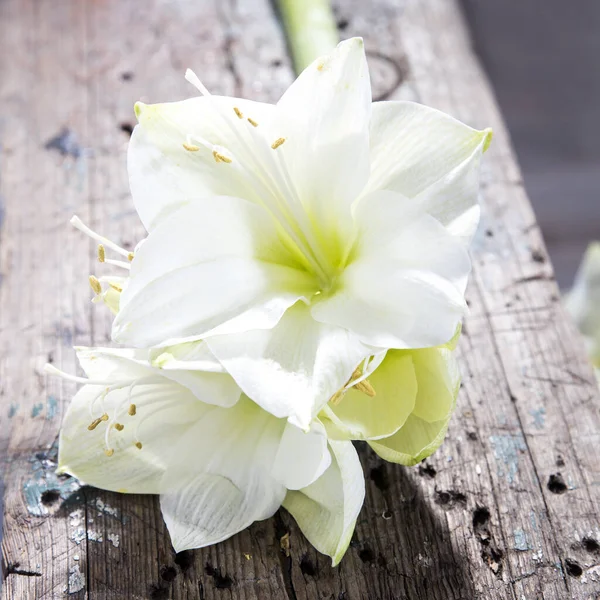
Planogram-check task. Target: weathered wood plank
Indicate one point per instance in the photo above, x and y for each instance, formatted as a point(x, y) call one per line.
point(477, 521)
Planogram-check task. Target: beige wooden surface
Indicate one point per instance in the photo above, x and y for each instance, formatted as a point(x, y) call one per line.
point(509, 506)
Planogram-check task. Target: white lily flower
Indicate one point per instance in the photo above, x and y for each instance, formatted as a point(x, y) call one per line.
point(218, 461)
point(583, 303)
point(299, 238)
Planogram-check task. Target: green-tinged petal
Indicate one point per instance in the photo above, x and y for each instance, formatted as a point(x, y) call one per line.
point(194, 366)
point(324, 118)
point(404, 283)
point(214, 266)
point(326, 511)
point(417, 440)
point(302, 457)
point(219, 481)
point(395, 386)
point(423, 153)
point(391, 307)
point(439, 381)
point(163, 175)
point(293, 369)
point(164, 412)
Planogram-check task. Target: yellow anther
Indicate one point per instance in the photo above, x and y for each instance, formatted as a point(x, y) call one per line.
point(356, 374)
point(277, 143)
point(119, 426)
point(132, 410)
point(115, 287)
point(220, 157)
point(362, 386)
point(109, 452)
point(238, 112)
point(130, 256)
point(252, 122)
point(95, 284)
point(104, 417)
point(94, 424)
point(366, 388)
point(101, 253)
point(337, 397)
point(138, 445)
point(191, 147)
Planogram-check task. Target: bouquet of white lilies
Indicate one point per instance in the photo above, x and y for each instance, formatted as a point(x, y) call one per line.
point(301, 286)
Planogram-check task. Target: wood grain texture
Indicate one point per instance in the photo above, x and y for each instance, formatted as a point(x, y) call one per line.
point(507, 509)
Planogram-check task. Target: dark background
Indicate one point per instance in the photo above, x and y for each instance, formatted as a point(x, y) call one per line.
point(543, 58)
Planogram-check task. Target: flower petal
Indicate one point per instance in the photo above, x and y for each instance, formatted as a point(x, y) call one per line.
point(302, 457)
point(293, 369)
point(395, 385)
point(583, 300)
point(438, 380)
point(163, 175)
point(215, 266)
point(225, 484)
point(164, 414)
point(326, 511)
point(324, 118)
point(114, 364)
point(421, 435)
point(430, 157)
point(390, 307)
point(417, 440)
point(194, 366)
point(404, 284)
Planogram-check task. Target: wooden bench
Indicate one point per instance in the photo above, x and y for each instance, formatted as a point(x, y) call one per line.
point(509, 506)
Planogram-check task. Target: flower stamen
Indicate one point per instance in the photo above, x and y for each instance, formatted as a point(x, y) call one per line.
point(132, 410)
point(364, 385)
point(252, 122)
point(78, 224)
point(101, 253)
point(97, 422)
point(238, 112)
point(221, 157)
point(277, 143)
point(337, 397)
point(95, 284)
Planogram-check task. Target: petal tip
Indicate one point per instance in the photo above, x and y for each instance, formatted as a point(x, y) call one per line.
point(488, 136)
point(138, 108)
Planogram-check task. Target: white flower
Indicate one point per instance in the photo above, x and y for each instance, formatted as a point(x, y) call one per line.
point(297, 239)
point(218, 461)
point(583, 302)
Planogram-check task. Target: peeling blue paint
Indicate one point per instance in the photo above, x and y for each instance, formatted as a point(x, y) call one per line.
point(36, 410)
point(521, 543)
point(51, 407)
point(42, 479)
point(506, 450)
point(533, 520)
point(539, 417)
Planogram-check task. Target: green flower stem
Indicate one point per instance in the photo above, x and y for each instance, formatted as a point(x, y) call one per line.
point(310, 28)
